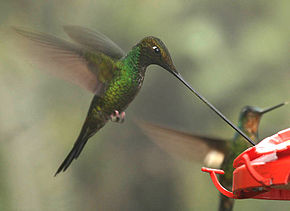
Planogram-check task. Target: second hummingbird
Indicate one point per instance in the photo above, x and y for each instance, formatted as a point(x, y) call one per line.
point(213, 152)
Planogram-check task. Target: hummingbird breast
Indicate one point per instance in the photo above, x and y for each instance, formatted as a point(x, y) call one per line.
point(121, 90)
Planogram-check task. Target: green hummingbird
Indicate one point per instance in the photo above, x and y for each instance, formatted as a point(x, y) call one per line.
point(213, 152)
point(96, 63)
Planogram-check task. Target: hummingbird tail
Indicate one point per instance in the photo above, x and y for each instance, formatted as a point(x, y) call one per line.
point(84, 136)
point(74, 153)
point(226, 204)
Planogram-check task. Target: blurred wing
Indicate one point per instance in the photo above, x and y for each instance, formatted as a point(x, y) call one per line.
point(65, 59)
point(94, 41)
point(195, 148)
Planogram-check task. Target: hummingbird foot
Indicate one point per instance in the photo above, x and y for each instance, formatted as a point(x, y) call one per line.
point(117, 117)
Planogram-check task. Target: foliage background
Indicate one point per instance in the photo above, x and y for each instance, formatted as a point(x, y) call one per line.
point(235, 53)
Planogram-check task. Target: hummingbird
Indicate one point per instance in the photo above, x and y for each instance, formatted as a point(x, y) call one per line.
point(94, 62)
point(213, 152)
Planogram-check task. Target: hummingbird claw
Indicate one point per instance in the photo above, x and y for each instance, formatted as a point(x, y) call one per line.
point(117, 117)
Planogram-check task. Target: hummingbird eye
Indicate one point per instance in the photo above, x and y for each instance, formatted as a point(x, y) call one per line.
point(156, 49)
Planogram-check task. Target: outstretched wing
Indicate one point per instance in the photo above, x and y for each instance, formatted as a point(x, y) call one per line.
point(205, 150)
point(69, 61)
point(94, 41)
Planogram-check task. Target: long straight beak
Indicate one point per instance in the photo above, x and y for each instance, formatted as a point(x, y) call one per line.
point(273, 107)
point(177, 75)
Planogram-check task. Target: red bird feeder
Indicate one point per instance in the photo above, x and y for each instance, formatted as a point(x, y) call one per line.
point(262, 171)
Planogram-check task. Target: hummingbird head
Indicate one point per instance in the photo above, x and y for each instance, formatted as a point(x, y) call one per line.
point(154, 51)
point(250, 118)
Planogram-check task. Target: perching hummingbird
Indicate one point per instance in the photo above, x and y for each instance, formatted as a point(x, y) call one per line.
point(213, 152)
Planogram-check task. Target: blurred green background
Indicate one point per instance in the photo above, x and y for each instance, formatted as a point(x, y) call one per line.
point(235, 53)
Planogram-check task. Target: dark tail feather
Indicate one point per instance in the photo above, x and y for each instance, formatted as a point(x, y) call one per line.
point(90, 127)
point(75, 152)
point(79, 145)
point(226, 204)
